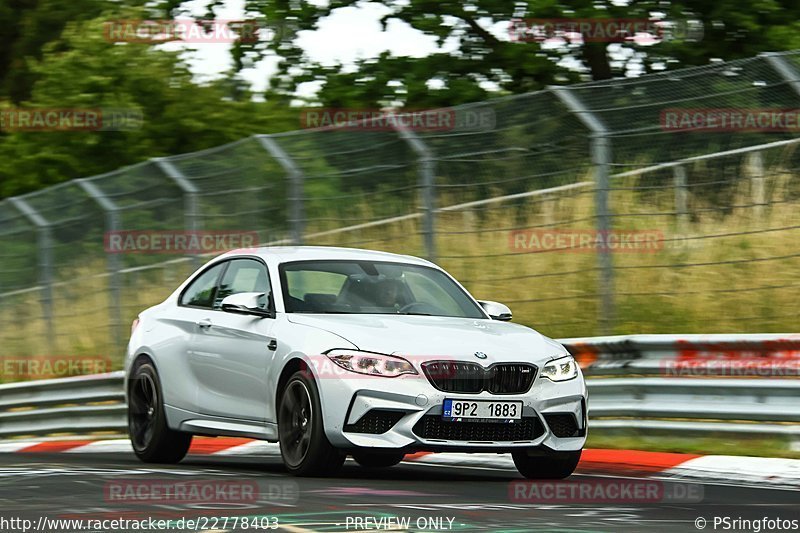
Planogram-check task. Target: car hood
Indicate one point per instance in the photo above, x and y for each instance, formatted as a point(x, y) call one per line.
point(438, 337)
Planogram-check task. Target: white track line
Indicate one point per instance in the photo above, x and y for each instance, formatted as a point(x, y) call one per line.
point(9, 447)
point(764, 472)
point(256, 447)
point(490, 460)
point(104, 446)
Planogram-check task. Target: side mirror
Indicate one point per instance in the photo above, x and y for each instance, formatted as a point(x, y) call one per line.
point(247, 303)
point(496, 310)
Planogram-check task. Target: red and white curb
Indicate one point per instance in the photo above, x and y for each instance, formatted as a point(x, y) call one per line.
point(732, 469)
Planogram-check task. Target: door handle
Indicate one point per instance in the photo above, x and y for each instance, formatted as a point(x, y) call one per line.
point(204, 324)
point(273, 345)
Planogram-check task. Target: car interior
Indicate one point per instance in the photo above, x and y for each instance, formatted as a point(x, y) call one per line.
point(359, 294)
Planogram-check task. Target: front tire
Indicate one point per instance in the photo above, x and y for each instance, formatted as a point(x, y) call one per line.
point(304, 447)
point(554, 465)
point(377, 460)
point(152, 440)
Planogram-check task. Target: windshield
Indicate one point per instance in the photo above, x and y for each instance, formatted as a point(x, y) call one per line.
point(373, 287)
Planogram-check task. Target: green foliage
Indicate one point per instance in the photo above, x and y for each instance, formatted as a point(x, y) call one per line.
point(26, 29)
point(484, 64)
point(82, 69)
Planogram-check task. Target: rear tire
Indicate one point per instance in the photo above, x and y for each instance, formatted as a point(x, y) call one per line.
point(378, 460)
point(554, 465)
point(305, 449)
point(152, 440)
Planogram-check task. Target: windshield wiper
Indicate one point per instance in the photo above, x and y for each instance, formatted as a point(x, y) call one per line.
point(417, 314)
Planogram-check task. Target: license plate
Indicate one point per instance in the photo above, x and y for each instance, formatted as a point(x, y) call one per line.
point(455, 410)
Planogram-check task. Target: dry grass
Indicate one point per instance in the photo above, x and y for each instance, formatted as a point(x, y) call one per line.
point(652, 297)
point(656, 291)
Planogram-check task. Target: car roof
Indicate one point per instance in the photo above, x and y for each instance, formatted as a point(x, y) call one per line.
point(286, 254)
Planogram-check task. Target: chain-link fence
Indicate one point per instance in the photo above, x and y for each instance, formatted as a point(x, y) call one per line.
point(589, 209)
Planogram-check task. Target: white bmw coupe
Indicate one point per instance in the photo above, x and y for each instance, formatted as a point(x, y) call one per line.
point(334, 352)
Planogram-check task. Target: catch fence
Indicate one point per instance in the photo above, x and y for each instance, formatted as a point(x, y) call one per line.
point(589, 209)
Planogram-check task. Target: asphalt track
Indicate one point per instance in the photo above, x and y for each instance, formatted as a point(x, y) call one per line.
point(76, 486)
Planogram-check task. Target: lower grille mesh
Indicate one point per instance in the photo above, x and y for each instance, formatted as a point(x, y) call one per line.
point(433, 427)
point(375, 422)
point(563, 425)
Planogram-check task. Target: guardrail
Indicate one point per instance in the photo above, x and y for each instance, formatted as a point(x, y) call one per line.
point(664, 404)
point(741, 355)
point(77, 405)
point(692, 405)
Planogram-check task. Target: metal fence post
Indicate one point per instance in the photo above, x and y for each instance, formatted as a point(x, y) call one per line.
point(190, 192)
point(601, 152)
point(112, 260)
point(296, 186)
point(427, 183)
point(44, 238)
point(755, 167)
point(790, 75)
point(784, 69)
point(601, 159)
point(681, 195)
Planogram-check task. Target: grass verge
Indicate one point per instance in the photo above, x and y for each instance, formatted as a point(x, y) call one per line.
point(713, 445)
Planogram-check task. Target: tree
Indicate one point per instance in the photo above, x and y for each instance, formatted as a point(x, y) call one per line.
point(26, 28)
point(485, 63)
point(83, 70)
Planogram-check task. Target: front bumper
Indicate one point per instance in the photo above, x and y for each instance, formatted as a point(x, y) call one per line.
point(410, 398)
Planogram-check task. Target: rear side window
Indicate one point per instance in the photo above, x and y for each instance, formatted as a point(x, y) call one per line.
point(200, 292)
point(243, 275)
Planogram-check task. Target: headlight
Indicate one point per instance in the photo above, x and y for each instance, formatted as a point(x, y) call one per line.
point(561, 369)
point(373, 364)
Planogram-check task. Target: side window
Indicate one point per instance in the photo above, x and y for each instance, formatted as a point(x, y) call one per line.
point(201, 292)
point(243, 275)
